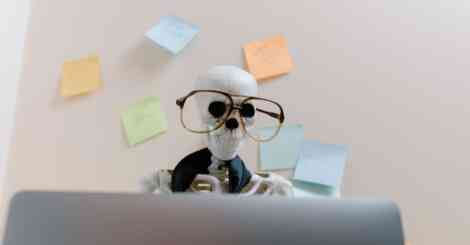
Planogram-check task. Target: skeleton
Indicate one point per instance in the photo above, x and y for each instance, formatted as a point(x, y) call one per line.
point(219, 169)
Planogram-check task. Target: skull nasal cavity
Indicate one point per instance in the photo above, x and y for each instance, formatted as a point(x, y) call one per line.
point(231, 123)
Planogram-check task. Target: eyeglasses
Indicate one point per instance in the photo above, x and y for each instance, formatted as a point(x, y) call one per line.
point(216, 108)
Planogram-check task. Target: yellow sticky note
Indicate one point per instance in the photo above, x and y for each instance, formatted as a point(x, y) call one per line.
point(80, 76)
point(268, 58)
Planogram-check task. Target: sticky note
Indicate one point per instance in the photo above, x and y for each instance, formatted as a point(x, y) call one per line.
point(268, 58)
point(305, 189)
point(143, 120)
point(281, 152)
point(80, 76)
point(321, 163)
point(172, 33)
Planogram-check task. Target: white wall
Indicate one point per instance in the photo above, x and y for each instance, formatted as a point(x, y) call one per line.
point(13, 22)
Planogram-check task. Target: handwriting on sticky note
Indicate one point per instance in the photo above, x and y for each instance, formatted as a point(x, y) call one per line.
point(80, 76)
point(321, 163)
point(267, 52)
point(281, 152)
point(268, 58)
point(172, 33)
point(143, 120)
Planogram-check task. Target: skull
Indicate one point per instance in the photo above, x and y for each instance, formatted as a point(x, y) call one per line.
point(225, 142)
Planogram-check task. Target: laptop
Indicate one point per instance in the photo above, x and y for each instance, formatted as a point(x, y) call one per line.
point(56, 218)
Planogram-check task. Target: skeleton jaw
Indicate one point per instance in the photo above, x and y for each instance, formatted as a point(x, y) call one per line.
point(224, 144)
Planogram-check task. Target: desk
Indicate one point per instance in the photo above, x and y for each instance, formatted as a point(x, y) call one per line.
point(389, 78)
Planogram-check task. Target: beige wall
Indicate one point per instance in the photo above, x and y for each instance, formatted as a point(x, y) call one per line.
point(389, 78)
point(13, 22)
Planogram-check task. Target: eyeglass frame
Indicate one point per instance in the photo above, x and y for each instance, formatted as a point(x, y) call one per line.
point(281, 117)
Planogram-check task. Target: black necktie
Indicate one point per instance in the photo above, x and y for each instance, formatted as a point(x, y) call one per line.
point(198, 162)
point(238, 174)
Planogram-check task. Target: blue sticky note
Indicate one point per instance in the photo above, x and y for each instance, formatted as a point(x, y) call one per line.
point(172, 33)
point(321, 163)
point(281, 152)
point(305, 189)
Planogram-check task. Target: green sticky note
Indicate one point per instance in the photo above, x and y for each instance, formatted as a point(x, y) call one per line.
point(144, 120)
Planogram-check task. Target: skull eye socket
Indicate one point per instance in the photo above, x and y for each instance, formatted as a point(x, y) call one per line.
point(247, 110)
point(217, 108)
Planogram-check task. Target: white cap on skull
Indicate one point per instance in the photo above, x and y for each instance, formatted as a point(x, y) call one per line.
point(229, 79)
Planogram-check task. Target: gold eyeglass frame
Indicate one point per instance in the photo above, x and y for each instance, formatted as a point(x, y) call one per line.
point(279, 116)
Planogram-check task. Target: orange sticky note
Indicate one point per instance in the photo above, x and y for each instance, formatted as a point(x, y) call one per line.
point(80, 76)
point(268, 58)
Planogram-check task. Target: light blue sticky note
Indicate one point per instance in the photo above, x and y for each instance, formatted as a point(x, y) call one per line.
point(305, 189)
point(281, 152)
point(172, 33)
point(321, 163)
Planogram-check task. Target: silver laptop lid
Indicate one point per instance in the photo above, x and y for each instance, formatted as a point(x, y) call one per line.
point(53, 218)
